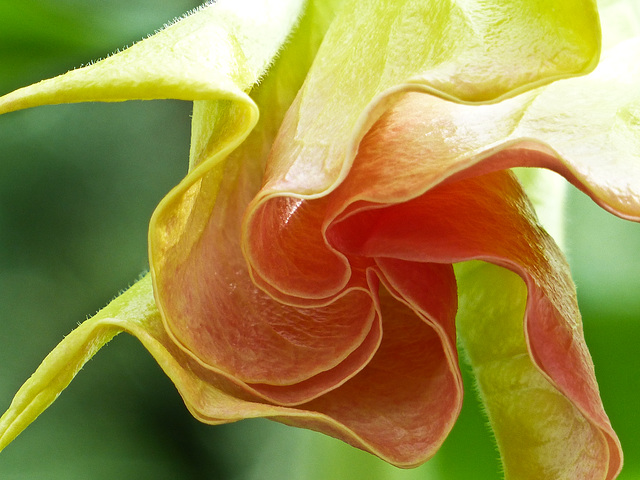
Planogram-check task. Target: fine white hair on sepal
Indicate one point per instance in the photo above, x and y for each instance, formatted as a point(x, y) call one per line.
point(168, 24)
point(188, 13)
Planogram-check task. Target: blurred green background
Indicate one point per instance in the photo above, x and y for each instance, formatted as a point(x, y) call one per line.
point(78, 184)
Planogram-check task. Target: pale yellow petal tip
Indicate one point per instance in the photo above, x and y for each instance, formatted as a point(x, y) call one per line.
point(52, 376)
point(208, 55)
point(63, 363)
point(16, 100)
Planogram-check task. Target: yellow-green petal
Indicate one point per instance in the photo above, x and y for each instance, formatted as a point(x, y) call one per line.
point(539, 432)
point(208, 395)
point(65, 361)
point(219, 51)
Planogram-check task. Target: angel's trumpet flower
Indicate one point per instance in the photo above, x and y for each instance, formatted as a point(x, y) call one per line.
point(349, 169)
